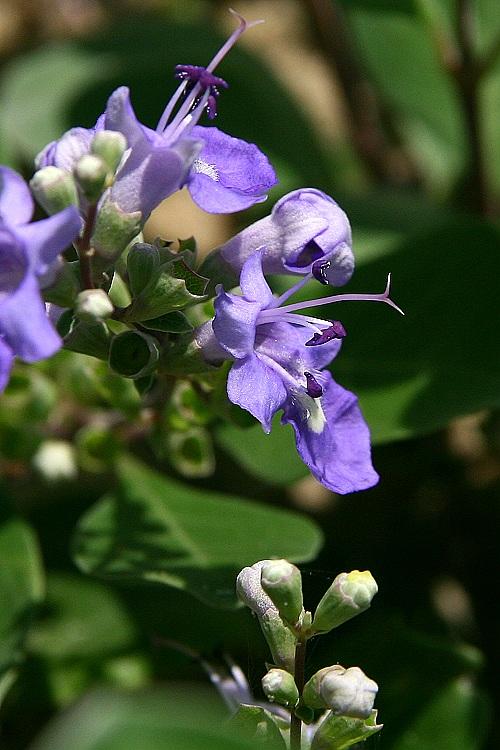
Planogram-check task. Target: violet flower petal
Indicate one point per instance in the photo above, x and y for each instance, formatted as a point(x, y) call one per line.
point(24, 324)
point(285, 344)
point(45, 239)
point(6, 361)
point(16, 203)
point(252, 281)
point(65, 152)
point(306, 227)
point(235, 322)
point(337, 448)
point(256, 388)
point(229, 174)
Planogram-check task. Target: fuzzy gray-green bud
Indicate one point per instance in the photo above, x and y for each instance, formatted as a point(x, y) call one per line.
point(279, 687)
point(280, 639)
point(346, 692)
point(109, 145)
point(54, 189)
point(282, 582)
point(348, 596)
point(91, 173)
point(93, 305)
point(114, 229)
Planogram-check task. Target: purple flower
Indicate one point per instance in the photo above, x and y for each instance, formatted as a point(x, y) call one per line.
point(223, 174)
point(306, 233)
point(279, 360)
point(28, 254)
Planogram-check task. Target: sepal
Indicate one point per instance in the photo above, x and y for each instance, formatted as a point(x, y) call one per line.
point(114, 229)
point(342, 732)
point(133, 354)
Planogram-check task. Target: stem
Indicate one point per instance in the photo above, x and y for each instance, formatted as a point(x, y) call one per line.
point(84, 250)
point(467, 78)
point(299, 675)
point(373, 132)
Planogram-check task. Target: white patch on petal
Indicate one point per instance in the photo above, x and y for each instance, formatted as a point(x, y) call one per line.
point(203, 167)
point(313, 412)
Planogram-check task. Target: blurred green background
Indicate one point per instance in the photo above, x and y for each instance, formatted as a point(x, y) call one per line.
point(392, 107)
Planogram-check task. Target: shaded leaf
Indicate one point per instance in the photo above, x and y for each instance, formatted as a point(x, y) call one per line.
point(341, 732)
point(259, 725)
point(155, 529)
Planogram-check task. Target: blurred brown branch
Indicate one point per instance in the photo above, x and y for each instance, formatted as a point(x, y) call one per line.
point(371, 125)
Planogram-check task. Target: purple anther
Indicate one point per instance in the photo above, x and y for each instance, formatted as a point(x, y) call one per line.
point(212, 106)
point(335, 331)
point(319, 270)
point(198, 74)
point(313, 387)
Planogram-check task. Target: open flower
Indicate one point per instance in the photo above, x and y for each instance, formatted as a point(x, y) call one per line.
point(28, 253)
point(223, 174)
point(306, 233)
point(279, 360)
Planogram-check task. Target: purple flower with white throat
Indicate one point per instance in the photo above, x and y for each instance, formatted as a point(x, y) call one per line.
point(279, 360)
point(28, 255)
point(306, 233)
point(223, 174)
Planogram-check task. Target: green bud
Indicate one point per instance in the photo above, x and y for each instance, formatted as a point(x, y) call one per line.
point(91, 173)
point(93, 304)
point(348, 596)
point(346, 692)
point(282, 582)
point(109, 145)
point(280, 639)
point(114, 229)
point(279, 687)
point(133, 354)
point(54, 189)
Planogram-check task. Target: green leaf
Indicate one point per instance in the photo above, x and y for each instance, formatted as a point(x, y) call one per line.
point(259, 726)
point(172, 287)
point(341, 732)
point(174, 322)
point(441, 360)
point(21, 588)
point(81, 619)
point(457, 717)
point(88, 338)
point(256, 452)
point(184, 718)
point(155, 529)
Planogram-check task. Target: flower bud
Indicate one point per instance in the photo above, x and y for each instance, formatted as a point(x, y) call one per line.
point(348, 596)
point(55, 461)
point(346, 692)
point(280, 639)
point(279, 687)
point(110, 145)
point(91, 173)
point(54, 189)
point(93, 304)
point(283, 584)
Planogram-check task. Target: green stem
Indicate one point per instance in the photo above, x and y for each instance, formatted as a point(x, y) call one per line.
point(299, 675)
point(84, 250)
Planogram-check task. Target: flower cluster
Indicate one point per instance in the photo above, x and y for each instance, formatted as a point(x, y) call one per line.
point(99, 185)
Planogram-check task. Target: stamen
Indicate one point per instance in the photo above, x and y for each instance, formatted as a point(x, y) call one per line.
point(335, 331)
point(290, 292)
point(319, 269)
point(204, 82)
point(384, 297)
point(313, 387)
